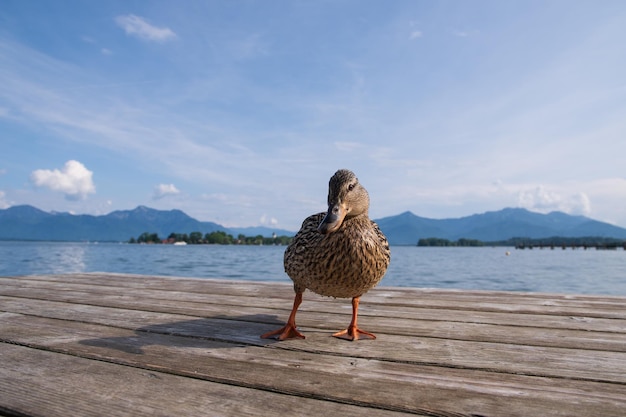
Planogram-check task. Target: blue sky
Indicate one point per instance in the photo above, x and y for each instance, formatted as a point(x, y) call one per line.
point(239, 112)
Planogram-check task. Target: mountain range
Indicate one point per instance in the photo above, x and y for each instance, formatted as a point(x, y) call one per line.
point(29, 223)
point(407, 228)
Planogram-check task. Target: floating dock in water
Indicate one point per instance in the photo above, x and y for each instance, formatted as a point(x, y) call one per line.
point(104, 344)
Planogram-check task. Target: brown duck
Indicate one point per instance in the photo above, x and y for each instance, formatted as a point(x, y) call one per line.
point(340, 253)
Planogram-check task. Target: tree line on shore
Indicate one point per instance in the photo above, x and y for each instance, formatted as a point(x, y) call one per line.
point(214, 238)
point(555, 241)
point(222, 238)
point(438, 242)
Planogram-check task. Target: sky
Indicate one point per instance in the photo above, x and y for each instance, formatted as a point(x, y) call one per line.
point(239, 112)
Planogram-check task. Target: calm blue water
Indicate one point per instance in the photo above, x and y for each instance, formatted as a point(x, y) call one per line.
point(560, 271)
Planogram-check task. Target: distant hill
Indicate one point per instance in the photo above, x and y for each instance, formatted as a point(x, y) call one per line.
point(29, 223)
point(407, 228)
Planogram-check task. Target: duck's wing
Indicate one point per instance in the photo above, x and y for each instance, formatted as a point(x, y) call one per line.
point(301, 245)
point(384, 243)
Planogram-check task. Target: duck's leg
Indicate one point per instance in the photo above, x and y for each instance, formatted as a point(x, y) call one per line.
point(288, 331)
point(353, 332)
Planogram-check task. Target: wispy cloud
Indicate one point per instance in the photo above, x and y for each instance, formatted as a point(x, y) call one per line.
point(544, 200)
point(249, 47)
point(348, 146)
point(465, 33)
point(141, 28)
point(164, 190)
point(74, 180)
point(3, 203)
point(416, 34)
point(268, 220)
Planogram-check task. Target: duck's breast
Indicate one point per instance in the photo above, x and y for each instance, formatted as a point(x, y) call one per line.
point(345, 264)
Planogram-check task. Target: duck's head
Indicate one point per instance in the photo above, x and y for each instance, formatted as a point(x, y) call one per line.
point(347, 198)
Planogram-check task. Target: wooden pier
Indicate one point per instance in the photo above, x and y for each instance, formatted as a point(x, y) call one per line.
point(126, 345)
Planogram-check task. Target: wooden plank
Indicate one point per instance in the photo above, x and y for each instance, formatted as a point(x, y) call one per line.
point(251, 288)
point(439, 353)
point(590, 365)
point(255, 287)
point(269, 315)
point(583, 319)
point(583, 339)
point(446, 328)
point(344, 379)
point(42, 383)
point(195, 289)
point(211, 303)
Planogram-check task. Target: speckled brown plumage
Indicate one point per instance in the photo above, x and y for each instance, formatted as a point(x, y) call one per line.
point(340, 253)
point(343, 264)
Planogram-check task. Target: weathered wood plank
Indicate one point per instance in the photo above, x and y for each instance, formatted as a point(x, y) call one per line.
point(581, 318)
point(345, 379)
point(194, 289)
point(252, 288)
point(121, 314)
point(439, 352)
point(590, 327)
point(495, 357)
point(35, 382)
point(255, 287)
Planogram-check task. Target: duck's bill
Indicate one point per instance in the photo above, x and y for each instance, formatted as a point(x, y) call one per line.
point(333, 219)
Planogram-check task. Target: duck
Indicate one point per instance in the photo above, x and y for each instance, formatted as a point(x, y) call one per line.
point(338, 253)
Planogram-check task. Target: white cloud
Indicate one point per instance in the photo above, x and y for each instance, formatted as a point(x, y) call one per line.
point(347, 146)
point(74, 180)
point(268, 221)
point(544, 200)
point(139, 27)
point(415, 34)
point(249, 47)
point(163, 190)
point(3, 203)
point(581, 204)
point(106, 51)
point(465, 33)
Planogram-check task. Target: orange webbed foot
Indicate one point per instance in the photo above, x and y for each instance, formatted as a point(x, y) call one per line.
point(354, 333)
point(288, 331)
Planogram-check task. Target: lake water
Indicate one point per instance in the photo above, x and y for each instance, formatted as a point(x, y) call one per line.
point(558, 271)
